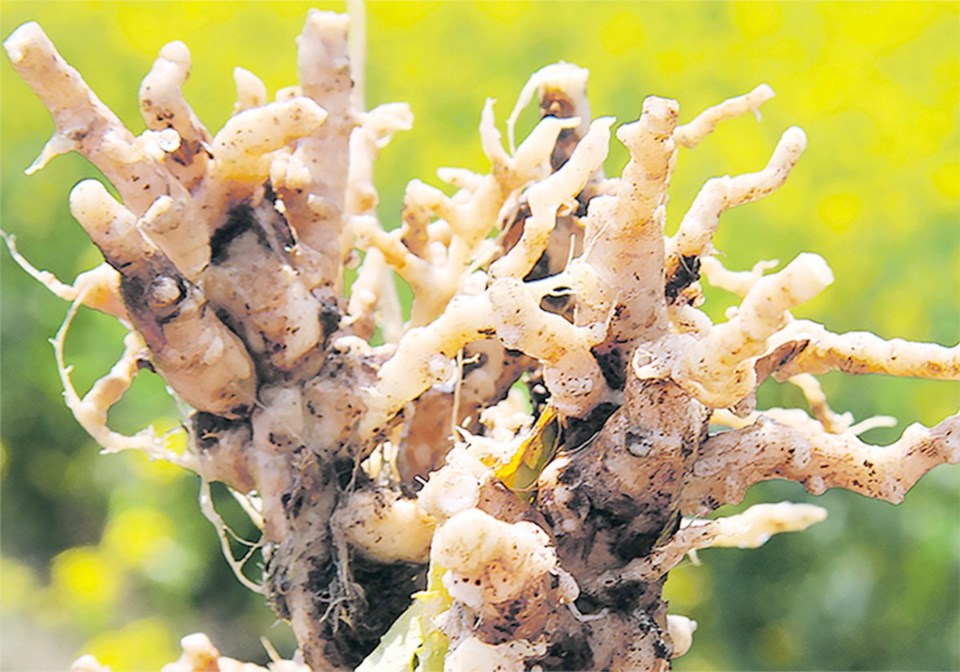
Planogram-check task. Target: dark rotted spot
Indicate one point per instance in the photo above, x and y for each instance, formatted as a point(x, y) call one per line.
point(320, 577)
point(579, 501)
point(686, 448)
point(292, 503)
point(488, 331)
point(612, 366)
point(344, 470)
point(661, 650)
point(578, 431)
point(569, 475)
point(268, 193)
point(474, 363)
point(508, 623)
point(137, 293)
point(630, 546)
point(625, 596)
point(610, 519)
point(347, 471)
point(685, 274)
point(387, 589)
point(514, 353)
point(206, 427)
point(571, 653)
point(388, 583)
point(133, 289)
point(240, 219)
point(240, 410)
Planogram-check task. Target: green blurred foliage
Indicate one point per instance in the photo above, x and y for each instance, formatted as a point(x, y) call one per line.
point(110, 555)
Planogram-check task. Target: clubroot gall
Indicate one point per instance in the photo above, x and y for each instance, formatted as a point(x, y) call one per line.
point(504, 477)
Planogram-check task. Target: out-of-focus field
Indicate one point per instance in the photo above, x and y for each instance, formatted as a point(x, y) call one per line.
point(109, 554)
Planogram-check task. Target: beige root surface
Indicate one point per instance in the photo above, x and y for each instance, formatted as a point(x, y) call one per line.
point(531, 435)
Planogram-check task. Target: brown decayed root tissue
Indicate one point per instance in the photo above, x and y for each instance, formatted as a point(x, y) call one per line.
point(407, 485)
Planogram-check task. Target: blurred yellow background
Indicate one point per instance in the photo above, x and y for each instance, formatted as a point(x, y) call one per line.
point(109, 555)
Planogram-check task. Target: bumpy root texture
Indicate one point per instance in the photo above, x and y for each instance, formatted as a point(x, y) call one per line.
point(520, 452)
point(614, 500)
point(731, 462)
